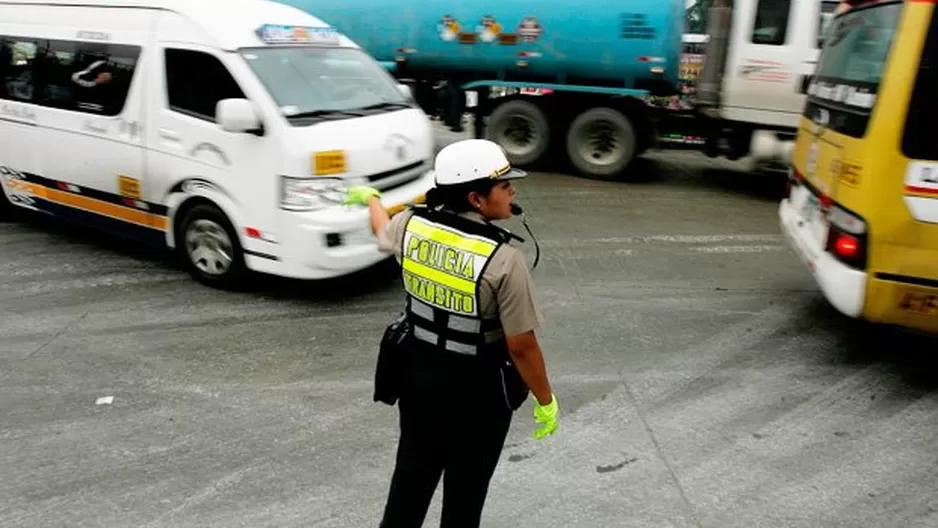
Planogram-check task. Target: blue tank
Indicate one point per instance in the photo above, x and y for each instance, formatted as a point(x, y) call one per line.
point(615, 43)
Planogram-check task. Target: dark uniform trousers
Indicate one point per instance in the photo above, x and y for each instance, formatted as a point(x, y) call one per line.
point(453, 419)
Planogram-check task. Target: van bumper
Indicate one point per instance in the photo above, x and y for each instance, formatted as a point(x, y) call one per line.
point(843, 287)
point(333, 242)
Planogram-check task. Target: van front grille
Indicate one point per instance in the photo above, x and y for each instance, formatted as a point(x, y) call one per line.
point(400, 176)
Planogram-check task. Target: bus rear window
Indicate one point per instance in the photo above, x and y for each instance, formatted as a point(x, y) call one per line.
point(851, 66)
point(917, 140)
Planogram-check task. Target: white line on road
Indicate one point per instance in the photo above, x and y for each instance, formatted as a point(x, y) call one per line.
point(677, 239)
point(737, 249)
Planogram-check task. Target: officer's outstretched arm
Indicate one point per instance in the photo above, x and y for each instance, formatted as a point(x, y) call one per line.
point(526, 354)
point(379, 218)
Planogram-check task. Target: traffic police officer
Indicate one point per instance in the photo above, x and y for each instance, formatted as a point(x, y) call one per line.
point(473, 356)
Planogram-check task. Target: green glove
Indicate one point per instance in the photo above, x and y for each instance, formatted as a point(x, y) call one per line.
point(360, 194)
point(546, 414)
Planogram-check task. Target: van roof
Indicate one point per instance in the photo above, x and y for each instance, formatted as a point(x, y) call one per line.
point(225, 21)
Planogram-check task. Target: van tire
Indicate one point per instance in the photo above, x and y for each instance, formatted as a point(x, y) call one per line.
point(6, 208)
point(521, 128)
point(8, 211)
point(204, 238)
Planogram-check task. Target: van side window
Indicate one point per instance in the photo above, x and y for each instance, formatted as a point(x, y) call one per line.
point(88, 77)
point(196, 81)
point(918, 143)
point(771, 24)
point(17, 68)
point(70, 75)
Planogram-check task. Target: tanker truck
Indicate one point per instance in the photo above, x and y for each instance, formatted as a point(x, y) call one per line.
point(590, 65)
point(547, 77)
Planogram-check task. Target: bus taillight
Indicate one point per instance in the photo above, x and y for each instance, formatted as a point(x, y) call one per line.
point(846, 237)
point(846, 246)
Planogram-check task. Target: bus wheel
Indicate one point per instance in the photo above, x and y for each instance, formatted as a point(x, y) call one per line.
point(210, 248)
point(601, 142)
point(521, 128)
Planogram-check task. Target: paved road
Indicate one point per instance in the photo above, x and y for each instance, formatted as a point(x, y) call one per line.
point(703, 380)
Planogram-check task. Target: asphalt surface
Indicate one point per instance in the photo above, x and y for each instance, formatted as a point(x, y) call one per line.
point(703, 380)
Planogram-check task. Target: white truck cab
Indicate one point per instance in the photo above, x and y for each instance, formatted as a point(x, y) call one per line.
point(759, 58)
point(226, 130)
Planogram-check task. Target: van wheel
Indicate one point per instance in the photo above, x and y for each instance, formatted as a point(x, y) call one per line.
point(601, 142)
point(6, 208)
point(8, 211)
point(521, 128)
point(210, 248)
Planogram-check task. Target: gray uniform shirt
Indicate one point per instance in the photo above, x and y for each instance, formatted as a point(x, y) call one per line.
point(506, 290)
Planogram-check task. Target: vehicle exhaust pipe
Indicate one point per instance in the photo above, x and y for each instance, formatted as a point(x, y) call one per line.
point(710, 84)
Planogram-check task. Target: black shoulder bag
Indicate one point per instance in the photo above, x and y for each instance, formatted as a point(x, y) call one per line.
point(392, 355)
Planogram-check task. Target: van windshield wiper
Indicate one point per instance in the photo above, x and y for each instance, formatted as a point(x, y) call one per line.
point(325, 113)
point(386, 105)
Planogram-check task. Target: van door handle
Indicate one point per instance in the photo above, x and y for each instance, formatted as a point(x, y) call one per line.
point(171, 135)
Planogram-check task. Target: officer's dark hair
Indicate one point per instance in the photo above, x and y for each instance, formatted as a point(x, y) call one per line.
point(455, 198)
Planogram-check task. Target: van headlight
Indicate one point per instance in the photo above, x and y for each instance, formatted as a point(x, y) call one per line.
point(311, 194)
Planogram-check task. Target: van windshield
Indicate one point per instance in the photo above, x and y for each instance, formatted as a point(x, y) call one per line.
point(851, 67)
point(324, 83)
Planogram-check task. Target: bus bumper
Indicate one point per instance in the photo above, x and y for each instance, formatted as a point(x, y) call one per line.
point(843, 287)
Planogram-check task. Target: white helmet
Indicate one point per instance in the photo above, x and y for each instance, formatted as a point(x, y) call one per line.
point(473, 159)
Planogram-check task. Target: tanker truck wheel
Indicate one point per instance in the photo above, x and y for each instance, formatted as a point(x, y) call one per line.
point(521, 128)
point(601, 142)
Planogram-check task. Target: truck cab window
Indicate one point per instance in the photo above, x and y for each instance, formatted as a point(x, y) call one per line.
point(196, 81)
point(771, 22)
point(824, 21)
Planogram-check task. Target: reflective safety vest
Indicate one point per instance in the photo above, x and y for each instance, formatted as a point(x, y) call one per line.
point(443, 259)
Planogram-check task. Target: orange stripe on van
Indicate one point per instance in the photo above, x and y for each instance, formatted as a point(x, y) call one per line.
point(93, 205)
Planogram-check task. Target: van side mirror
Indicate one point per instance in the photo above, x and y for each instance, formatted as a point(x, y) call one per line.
point(405, 91)
point(238, 116)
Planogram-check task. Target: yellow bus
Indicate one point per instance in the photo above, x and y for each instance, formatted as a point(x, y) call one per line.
point(862, 206)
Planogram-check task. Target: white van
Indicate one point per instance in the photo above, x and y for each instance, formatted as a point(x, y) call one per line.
point(225, 130)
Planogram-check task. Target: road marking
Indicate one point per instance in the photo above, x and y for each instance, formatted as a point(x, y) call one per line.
point(676, 239)
point(737, 249)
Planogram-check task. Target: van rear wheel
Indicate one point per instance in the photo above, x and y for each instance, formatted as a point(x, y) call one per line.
point(210, 248)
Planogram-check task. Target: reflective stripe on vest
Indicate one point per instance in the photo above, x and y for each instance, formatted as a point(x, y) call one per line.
point(442, 266)
point(455, 322)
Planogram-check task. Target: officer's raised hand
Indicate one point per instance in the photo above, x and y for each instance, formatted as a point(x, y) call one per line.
point(360, 194)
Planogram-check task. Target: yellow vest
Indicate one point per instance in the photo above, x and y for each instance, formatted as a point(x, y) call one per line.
point(442, 265)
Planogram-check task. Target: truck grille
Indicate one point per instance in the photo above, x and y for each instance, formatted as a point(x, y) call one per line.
point(398, 177)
